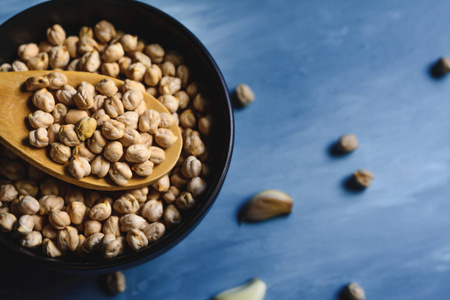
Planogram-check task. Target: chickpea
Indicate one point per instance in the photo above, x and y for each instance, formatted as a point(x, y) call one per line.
point(137, 154)
point(153, 91)
point(92, 197)
point(171, 195)
point(126, 204)
point(7, 221)
point(146, 139)
point(130, 137)
point(205, 124)
point(163, 184)
point(104, 31)
point(124, 63)
point(169, 85)
point(37, 83)
point(154, 231)
point(110, 69)
point(26, 187)
point(28, 205)
point(13, 170)
point(136, 239)
point(185, 201)
point(92, 244)
point(59, 112)
point(140, 194)
point(25, 225)
point(187, 119)
point(92, 227)
point(143, 169)
point(172, 216)
point(133, 85)
point(113, 130)
point(85, 128)
point(153, 75)
point(83, 99)
point(90, 61)
point(165, 137)
point(40, 119)
point(66, 94)
point(100, 211)
point(56, 35)
point(120, 173)
point(149, 121)
point(113, 151)
point(129, 42)
point(50, 203)
point(100, 166)
point(74, 65)
point(155, 52)
point(111, 226)
point(39, 222)
point(157, 155)
point(184, 73)
point(193, 89)
point(130, 119)
point(27, 51)
point(73, 116)
point(49, 248)
point(97, 142)
point(68, 239)
point(57, 80)
point(8, 192)
point(111, 247)
point(5, 67)
point(178, 180)
point(193, 145)
point(183, 99)
point(68, 136)
point(87, 44)
point(59, 219)
point(130, 222)
point(191, 167)
point(49, 232)
point(77, 212)
point(152, 210)
point(18, 66)
point(167, 120)
point(107, 87)
point(86, 31)
point(58, 57)
point(136, 71)
point(100, 116)
point(81, 150)
point(114, 107)
point(174, 57)
point(49, 187)
point(40, 62)
point(132, 99)
point(139, 57)
point(168, 69)
point(79, 167)
point(116, 282)
point(72, 45)
point(38, 138)
point(32, 240)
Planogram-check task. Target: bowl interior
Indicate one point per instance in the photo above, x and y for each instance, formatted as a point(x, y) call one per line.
point(153, 26)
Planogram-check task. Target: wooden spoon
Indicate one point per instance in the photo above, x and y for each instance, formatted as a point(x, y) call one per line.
point(16, 105)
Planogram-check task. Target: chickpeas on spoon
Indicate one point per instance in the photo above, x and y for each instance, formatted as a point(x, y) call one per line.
point(16, 106)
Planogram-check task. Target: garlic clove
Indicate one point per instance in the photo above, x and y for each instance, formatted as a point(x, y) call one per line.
point(255, 289)
point(267, 204)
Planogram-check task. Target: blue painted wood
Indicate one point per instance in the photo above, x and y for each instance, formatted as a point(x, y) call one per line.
point(319, 69)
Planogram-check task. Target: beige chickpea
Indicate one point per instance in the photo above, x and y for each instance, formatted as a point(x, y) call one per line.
point(84, 98)
point(38, 138)
point(178, 180)
point(74, 65)
point(100, 166)
point(72, 194)
point(110, 69)
point(126, 204)
point(201, 103)
point(193, 145)
point(172, 216)
point(66, 94)
point(157, 155)
point(40, 119)
point(39, 222)
point(183, 99)
point(92, 227)
point(146, 139)
point(191, 167)
point(153, 194)
point(124, 63)
point(111, 226)
point(92, 197)
point(90, 62)
point(39, 62)
point(82, 242)
point(205, 124)
point(86, 31)
point(171, 195)
point(56, 35)
point(59, 113)
point(149, 121)
point(188, 119)
point(99, 103)
point(130, 137)
point(49, 186)
point(107, 87)
point(26, 187)
point(153, 210)
point(82, 150)
point(76, 211)
point(79, 167)
point(5, 67)
point(72, 45)
point(113, 53)
point(163, 184)
point(185, 201)
point(155, 52)
point(193, 89)
point(153, 75)
point(133, 85)
point(144, 169)
point(153, 91)
point(142, 58)
point(19, 66)
point(113, 151)
point(176, 119)
point(100, 116)
point(49, 248)
point(27, 51)
point(183, 72)
point(25, 225)
point(132, 99)
point(49, 232)
point(113, 130)
point(28, 205)
point(58, 57)
point(174, 57)
point(68, 136)
point(7, 221)
point(49, 203)
point(114, 107)
point(137, 153)
point(100, 211)
point(104, 31)
point(136, 239)
point(167, 120)
point(130, 119)
point(197, 186)
point(86, 44)
point(169, 85)
point(59, 219)
point(37, 83)
point(154, 231)
point(120, 173)
point(140, 194)
point(97, 142)
point(68, 239)
point(170, 102)
point(8, 192)
point(73, 116)
point(129, 42)
point(131, 221)
point(32, 240)
point(57, 80)
point(168, 69)
point(136, 71)
point(111, 247)
point(92, 243)
point(165, 137)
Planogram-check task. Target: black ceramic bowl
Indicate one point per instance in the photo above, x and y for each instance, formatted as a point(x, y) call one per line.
point(152, 25)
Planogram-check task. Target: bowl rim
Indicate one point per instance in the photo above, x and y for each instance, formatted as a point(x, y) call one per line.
point(181, 232)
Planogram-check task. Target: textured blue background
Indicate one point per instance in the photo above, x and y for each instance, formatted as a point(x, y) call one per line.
point(319, 69)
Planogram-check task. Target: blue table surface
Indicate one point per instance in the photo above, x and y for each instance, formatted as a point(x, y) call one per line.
point(319, 69)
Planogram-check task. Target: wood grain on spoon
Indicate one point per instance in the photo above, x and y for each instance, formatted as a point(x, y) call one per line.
point(16, 105)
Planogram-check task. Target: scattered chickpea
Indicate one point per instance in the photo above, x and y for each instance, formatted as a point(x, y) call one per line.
point(363, 178)
point(116, 282)
point(244, 94)
point(348, 143)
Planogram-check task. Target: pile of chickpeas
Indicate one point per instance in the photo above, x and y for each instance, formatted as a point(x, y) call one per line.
point(62, 219)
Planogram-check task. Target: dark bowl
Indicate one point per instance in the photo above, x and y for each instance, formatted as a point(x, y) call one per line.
point(152, 25)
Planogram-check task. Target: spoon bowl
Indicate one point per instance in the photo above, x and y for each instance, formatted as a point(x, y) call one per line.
point(14, 128)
